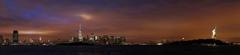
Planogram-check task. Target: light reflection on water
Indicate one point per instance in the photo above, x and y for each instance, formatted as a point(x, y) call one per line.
point(116, 50)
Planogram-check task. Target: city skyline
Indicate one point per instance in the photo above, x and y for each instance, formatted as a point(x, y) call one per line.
point(137, 20)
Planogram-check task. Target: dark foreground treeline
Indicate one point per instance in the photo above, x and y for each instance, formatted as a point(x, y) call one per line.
point(119, 50)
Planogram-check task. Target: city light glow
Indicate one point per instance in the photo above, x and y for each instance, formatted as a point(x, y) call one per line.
point(36, 32)
point(139, 20)
point(86, 16)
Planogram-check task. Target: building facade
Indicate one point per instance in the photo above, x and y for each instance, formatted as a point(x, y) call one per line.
point(15, 37)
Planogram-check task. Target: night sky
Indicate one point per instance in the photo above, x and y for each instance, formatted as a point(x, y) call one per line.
point(138, 20)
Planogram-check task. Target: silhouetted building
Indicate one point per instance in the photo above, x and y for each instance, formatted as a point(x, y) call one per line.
point(199, 42)
point(105, 40)
point(76, 39)
point(1, 39)
point(112, 40)
point(7, 42)
point(100, 40)
point(93, 37)
point(118, 40)
point(15, 37)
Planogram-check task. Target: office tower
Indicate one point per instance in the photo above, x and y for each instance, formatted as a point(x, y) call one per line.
point(40, 40)
point(93, 37)
point(80, 35)
point(1, 39)
point(15, 37)
point(104, 40)
point(96, 38)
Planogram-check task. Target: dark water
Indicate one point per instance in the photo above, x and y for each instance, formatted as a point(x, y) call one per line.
point(119, 50)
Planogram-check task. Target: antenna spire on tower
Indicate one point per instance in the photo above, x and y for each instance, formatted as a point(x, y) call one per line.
point(80, 35)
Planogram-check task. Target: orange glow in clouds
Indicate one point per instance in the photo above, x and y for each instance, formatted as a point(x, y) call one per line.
point(86, 16)
point(36, 32)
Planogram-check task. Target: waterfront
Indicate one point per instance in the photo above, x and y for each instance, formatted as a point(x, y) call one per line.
point(119, 50)
point(119, 27)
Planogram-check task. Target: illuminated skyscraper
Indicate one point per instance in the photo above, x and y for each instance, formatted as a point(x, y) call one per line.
point(15, 37)
point(80, 35)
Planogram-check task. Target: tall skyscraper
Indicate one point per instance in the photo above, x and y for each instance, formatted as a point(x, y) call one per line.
point(15, 37)
point(80, 35)
point(1, 39)
point(214, 33)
